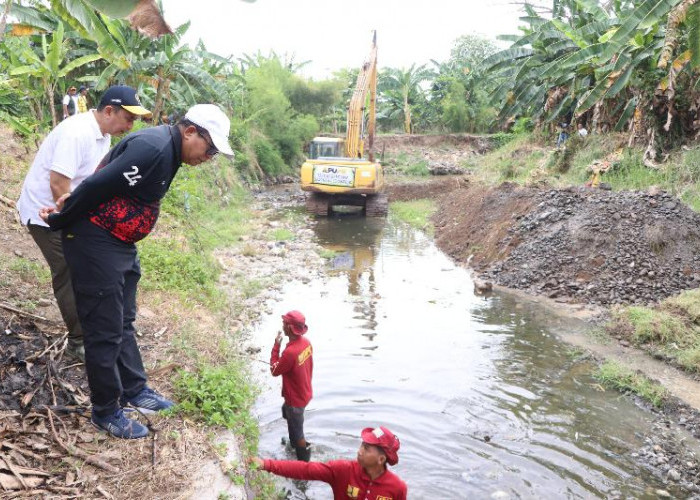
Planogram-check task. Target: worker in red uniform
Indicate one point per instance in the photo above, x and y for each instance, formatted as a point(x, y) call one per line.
point(296, 367)
point(367, 478)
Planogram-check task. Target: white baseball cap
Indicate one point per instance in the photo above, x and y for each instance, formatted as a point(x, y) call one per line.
point(213, 120)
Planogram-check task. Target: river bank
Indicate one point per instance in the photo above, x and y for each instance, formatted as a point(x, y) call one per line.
point(664, 453)
point(185, 324)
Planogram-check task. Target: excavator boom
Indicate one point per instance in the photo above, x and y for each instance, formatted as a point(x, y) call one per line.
point(366, 83)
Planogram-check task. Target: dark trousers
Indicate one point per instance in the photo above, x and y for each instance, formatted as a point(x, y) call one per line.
point(105, 274)
point(295, 423)
point(49, 242)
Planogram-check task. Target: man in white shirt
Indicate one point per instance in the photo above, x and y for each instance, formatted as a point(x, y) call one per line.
point(69, 154)
point(70, 103)
point(582, 130)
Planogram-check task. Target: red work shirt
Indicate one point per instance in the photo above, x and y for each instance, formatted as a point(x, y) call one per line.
point(296, 367)
point(346, 477)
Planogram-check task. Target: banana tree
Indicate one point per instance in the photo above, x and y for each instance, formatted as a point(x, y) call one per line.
point(170, 63)
point(143, 15)
point(407, 84)
point(596, 53)
point(49, 65)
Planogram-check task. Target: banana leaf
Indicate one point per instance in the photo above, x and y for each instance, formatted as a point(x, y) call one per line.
point(16, 124)
point(507, 55)
point(694, 35)
point(31, 16)
point(626, 114)
point(647, 14)
point(593, 8)
point(75, 63)
point(565, 103)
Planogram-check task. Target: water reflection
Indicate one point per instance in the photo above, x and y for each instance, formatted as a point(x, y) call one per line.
point(484, 398)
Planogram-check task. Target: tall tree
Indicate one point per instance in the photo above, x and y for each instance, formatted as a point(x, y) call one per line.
point(405, 83)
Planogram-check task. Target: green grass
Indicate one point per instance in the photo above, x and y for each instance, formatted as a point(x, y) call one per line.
point(170, 265)
point(615, 376)
point(220, 396)
point(206, 208)
point(577, 354)
point(416, 213)
point(208, 204)
point(513, 161)
point(409, 164)
point(250, 288)
point(281, 234)
point(671, 329)
point(29, 270)
point(686, 304)
point(653, 326)
point(532, 157)
point(327, 254)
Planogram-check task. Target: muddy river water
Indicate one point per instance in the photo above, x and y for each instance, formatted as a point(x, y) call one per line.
point(485, 399)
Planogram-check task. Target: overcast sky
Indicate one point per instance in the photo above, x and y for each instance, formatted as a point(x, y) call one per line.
point(335, 34)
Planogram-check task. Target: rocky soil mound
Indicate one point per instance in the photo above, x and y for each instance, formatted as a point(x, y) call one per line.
point(577, 244)
point(397, 142)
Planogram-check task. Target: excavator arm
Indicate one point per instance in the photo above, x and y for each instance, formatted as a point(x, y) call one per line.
point(366, 83)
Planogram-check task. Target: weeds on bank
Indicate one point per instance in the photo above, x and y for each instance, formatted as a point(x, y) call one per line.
point(325, 253)
point(672, 329)
point(409, 164)
point(513, 161)
point(220, 396)
point(28, 270)
point(281, 234)
point(615, 376)
point(169, 265)
point(206, 208)
point(416, 213)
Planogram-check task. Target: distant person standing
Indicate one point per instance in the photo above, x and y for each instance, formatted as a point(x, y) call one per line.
point(69, 154)
point(368, 477)
point(563, 134)
point(582, 132)
point(82, 99)
point(296, 367)
point(70, 103)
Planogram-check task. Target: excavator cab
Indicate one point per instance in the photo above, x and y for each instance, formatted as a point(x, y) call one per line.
point(326, 147)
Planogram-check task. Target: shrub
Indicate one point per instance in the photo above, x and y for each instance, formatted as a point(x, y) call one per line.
point(220, 395)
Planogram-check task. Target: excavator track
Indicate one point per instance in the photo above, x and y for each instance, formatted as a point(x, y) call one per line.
point(318, 204)
point(377, 205)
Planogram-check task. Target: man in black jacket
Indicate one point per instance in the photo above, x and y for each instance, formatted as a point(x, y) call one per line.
point(101, 221)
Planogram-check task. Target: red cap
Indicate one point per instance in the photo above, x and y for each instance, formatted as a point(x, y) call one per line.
point(296, 321)
point(385, 439)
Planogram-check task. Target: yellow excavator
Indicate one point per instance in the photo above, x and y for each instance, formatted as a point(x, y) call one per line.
point(336, 172)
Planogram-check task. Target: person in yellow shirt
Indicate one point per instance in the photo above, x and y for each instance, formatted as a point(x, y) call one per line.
point(82, 100)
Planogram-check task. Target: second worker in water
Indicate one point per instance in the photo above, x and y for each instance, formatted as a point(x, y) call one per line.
point(296, 367)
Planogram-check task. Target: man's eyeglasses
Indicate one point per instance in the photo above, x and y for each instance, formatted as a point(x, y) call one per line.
point(212, 150)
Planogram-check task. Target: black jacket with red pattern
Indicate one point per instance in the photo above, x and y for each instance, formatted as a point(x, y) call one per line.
point(123, 195)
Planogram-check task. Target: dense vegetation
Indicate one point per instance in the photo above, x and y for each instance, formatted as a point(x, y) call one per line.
point(623, 65)
point(47, 48)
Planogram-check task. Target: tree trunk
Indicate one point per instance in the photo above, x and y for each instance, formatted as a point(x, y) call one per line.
point(158, 101)
point(596, 117)
point(406, 115)
point(48, 88)
point(3, 20)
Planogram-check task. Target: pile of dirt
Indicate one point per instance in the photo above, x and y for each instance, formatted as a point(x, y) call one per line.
point(397, 142)
point(409, 191)
point(577, 244)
